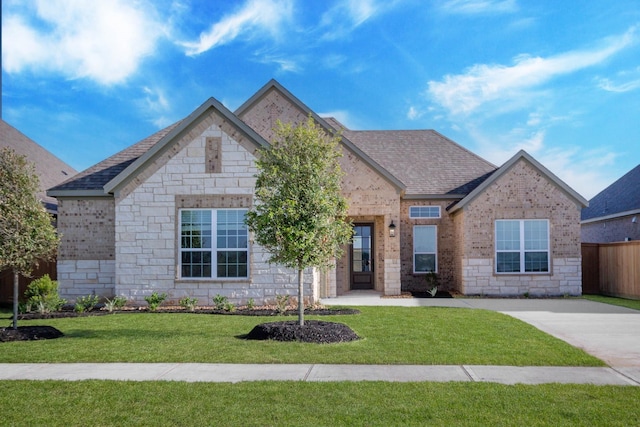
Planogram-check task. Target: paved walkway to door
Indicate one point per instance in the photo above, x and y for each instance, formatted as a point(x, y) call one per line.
point(609, 332)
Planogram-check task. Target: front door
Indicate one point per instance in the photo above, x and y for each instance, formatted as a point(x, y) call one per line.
point(362, 265)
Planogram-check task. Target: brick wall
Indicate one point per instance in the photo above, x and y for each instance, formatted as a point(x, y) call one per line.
point(612, 230)
point(86, 256)
point(521, 193)
point(446, 243)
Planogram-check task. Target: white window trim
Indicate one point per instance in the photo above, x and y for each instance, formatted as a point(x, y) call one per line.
point(522, 250)
point(213, 249)
point(414, 253)
point(425, 217)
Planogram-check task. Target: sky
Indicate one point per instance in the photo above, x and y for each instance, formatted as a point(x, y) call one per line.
point(559, 79)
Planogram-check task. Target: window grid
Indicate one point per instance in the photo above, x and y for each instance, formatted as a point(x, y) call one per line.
point(522, 246)
point(425, 253)
point(229, 246)
point(424, 212)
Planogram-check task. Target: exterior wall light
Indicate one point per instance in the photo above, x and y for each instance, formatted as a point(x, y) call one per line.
point(392, 229)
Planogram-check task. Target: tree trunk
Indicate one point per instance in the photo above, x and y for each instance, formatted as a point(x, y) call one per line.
point(16, 291)
point(300, 297)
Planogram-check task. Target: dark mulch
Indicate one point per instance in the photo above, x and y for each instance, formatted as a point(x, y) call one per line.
point(313, 331)
point(439, 294)
point(29, 333)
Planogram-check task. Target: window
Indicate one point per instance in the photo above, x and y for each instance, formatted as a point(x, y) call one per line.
point(208, 236)
point(424, 212)
point(522, 246)
point(424, 249)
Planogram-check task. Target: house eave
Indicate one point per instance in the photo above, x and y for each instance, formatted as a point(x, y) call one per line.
point(612, 216)
point(433, 196)
point(78, 193)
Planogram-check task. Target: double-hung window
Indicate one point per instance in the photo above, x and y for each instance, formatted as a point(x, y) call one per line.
point(522, 246)
point(213, 243)
point(425, 249)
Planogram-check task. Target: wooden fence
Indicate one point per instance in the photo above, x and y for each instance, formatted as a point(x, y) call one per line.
point(6, 280)
point(611, 269)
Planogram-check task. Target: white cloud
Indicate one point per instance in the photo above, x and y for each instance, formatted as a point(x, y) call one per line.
point(586, 171)
point(256, 17)
point(626, 82)
point(347, 15)
point(103, 41)
point(472, 7)
point(465, 93)
point(414, 113)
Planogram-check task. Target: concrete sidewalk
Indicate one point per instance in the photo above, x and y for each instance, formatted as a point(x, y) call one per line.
point(232, 373)
point(608, 332)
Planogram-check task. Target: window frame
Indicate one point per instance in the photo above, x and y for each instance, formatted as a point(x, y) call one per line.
point(522, 250)
point(428, 207)
point(214, 250)
point(434, 253)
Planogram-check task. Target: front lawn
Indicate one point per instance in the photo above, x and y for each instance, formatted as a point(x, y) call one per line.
point(390, 335)
point(89, 403)
point(623, 302)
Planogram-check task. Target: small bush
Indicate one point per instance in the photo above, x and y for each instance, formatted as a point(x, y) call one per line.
point(116, 303)
point(189, 303)
point(229, 307)
point(219, 301)
point(251, 303)
point(86, 303)
point(42, 294)
point(155, 299)
point(282, 303)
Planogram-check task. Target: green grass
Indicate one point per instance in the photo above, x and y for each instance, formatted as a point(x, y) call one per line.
point(391, 335)
point(87, 403)
point(629, 303)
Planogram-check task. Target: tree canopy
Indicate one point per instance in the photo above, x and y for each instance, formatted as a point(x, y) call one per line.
point(300, 215)
point(26, 231)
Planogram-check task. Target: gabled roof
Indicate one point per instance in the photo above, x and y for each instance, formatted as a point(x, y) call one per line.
point(427, 163)
point(49, 168)
point(274, 85)
point(619, 199)
point(520, 155)
point(103, 178)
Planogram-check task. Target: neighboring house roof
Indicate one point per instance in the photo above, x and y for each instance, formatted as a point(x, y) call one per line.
point(520, 155)
point(102, 178)
point(427, 163)
point(619, 199)
point(49, 168)
point(330, 127)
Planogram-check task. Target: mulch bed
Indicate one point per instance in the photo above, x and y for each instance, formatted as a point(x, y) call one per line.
point(313, 331)
point(29, 333)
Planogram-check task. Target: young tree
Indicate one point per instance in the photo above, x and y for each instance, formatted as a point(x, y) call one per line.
point(26, 233)
point(300, 214)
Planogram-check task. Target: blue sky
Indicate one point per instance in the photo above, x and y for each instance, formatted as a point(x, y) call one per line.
point(560, 79)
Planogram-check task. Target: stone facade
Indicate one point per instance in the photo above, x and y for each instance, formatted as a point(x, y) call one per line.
point(521, 193)
point(147, 227)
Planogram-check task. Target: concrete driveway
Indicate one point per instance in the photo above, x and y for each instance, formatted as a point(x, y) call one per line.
point(609, 332)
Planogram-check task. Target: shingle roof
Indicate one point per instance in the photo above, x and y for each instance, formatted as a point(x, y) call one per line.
point(95, 177)
point(424, 160)
point(49, 168)
point(621, 196)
